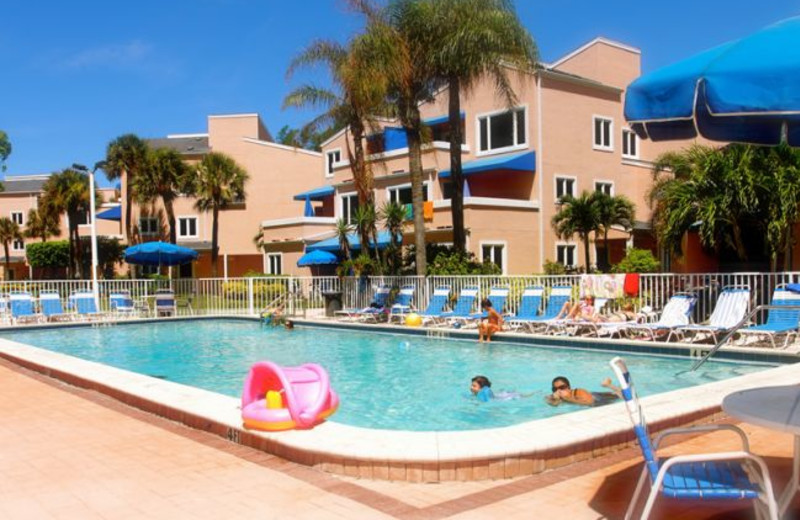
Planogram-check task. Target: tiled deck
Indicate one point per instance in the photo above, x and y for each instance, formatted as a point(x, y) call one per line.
point(69, 453)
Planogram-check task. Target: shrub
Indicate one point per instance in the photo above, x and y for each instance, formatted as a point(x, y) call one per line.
point(638, 261)
point(554, 268)
point(449, 262)
point(48, 254)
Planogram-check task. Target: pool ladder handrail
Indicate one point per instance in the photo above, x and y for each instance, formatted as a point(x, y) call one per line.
point(697, 364)
point(274, 302)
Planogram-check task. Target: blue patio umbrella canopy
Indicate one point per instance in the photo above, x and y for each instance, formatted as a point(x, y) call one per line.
point(159, 253)
point(744, 91)
point(114, 213)
point(317, 257)
point(331, 245)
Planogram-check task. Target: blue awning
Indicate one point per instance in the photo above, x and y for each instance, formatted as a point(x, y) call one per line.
point(316, 193)
point(332, 244)
point(439, 120)
point(523, 162)
point(114, 213)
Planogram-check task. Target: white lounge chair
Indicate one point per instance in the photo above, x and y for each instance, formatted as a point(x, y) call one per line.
point(732, 306)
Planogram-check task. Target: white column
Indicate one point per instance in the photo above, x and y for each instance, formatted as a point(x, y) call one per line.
point(92, 213)
point(225, 265)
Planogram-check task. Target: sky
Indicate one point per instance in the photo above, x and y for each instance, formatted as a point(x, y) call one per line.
point(75, 75)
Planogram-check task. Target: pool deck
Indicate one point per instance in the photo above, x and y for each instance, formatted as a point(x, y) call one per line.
point(72, 453)
point(521, 450)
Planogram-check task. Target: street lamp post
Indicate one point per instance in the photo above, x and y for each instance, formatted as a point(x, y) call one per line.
point(93, 227)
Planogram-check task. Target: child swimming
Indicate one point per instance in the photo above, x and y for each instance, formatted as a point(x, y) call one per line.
point(481, 388)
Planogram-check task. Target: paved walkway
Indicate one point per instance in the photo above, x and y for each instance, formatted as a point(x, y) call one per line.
point(67, 453)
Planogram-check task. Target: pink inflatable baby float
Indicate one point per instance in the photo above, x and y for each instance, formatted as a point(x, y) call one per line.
point(281, 398)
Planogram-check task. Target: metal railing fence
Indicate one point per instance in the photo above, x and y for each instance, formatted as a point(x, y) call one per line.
point(306, 295)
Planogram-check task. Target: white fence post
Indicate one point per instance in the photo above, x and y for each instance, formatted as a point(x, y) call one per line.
point(250, 306)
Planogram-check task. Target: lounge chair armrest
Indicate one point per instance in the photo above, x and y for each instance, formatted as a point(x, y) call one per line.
point(701, 429)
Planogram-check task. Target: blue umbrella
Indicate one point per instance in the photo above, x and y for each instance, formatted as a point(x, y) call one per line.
point(317, 258)
point(159, 253)
point(743, 91)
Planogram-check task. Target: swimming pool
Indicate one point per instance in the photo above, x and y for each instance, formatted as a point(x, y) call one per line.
point(385, 381)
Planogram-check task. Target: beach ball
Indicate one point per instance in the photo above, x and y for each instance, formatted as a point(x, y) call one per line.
point(413, 320)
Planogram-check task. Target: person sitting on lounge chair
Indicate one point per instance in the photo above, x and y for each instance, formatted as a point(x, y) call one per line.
point(583, 310)
point(625, 314)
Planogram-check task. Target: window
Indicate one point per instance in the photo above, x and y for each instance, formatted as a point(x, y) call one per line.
point(274, 263)
point(441, 132)
point(17, 217)
point(187, 227)
point(402, 194)
point(565, 254)
point(603, 128)
point(18, 245)
point(604, 187)
point(148, 226)
point(331, 158)
point(565, 186)
point(503, 130)
point(495, 253)
point(349, 207)
point(630, 144)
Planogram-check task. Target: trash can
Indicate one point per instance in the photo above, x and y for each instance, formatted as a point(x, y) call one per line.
point(333, 302)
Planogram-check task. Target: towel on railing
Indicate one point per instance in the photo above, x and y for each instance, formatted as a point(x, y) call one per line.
point(602, 285)
point(632, 284)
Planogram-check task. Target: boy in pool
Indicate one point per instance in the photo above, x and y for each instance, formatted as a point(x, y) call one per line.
point(482, 388)
point(563, 392)
point(491, 324)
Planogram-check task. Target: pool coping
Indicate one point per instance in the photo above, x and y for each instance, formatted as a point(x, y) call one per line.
point(506, 452)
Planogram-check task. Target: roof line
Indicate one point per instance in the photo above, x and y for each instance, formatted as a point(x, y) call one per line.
point(281, 146)
point(333, 137)
point(184, 136)
point(223, 116)
point(31, 177)
point(599, 39)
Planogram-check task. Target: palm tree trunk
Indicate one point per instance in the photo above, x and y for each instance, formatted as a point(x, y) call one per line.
point(214, 251)
point(71, 249)
point(78, 254)
point(456, 171)
point(586, 253)
point(608, 250)
point(415, 168)
point(361, 176)
point(8, 262)
point(168, 207)
point(787, 252)
point(128, 204)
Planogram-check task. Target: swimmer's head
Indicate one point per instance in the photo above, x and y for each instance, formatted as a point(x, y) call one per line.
point(478, 383)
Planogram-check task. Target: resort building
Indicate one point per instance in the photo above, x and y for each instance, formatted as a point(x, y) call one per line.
point(565, 134)
point(275, 172)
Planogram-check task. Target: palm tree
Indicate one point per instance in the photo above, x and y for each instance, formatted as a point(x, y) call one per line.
point(365, 220)
point(219, 181)
point(578, 216)
point(9, 232)
point(398, 39)
point(5, 149)
point(472, 40)
point(781, 190)
point(393, 215)
point(126, 156)
point(343, 230)
point(42, 224)
point(68, 192)
point(165, 176)
point(613, 211)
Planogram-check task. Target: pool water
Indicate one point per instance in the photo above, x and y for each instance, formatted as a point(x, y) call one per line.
point(388, 381)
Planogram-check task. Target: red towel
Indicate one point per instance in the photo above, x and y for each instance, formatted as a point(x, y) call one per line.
point(632, 284)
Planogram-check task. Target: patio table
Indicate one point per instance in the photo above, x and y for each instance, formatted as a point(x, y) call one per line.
point(776, 408)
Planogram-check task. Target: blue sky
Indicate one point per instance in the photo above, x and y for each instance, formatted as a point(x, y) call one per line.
point(75, 75)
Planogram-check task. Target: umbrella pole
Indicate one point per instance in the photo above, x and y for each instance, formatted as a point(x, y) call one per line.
point(92, 212)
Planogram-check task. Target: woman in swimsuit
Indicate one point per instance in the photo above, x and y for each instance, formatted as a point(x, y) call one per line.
point(491, 324)
point(625, 314)
point(563, 392)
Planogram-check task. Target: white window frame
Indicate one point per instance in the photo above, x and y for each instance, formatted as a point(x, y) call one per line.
point(21, 217)
point(605, 182)
point(196, 219)
point(627, 135)
point(574, 248)
point(601, 147)
point(574, 180)
point(269, 257)
point(14, 245)
point(488, 115)
point(149, 233)
point(426, 188)
point(493, 243)
point(341, 205)
point(329, 167)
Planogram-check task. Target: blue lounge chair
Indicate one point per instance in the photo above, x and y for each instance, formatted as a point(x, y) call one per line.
point(498, 296)
point(559, 295)
point(731, 308)
point(85, 306)
point(433, 312)
point(529, 306)
point(779, 321)
point(462, 311)
point(121, 304)
point(21, 305)
point(165, 303)
point(402, 303)
point(50, 305)
point(676, 313)
point(721, 476)
point(375, 309)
